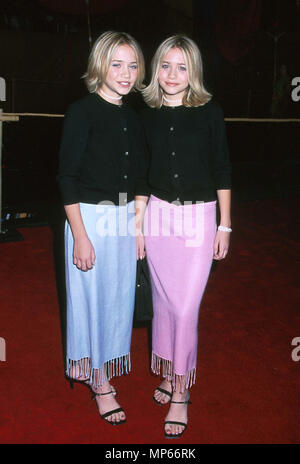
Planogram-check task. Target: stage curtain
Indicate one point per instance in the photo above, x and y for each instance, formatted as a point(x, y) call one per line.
point(237, 22)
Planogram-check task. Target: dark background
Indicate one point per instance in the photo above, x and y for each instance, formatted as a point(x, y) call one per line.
point(44, 47)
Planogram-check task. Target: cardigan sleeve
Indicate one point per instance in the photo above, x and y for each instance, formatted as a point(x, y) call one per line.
point(141, 186)
point(73, 143)
point(221, 164)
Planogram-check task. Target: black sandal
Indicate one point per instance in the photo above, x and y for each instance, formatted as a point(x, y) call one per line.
point(165, 392)
point(183, 424)
point(72, 380)
point(109, 413)
point(86, 382)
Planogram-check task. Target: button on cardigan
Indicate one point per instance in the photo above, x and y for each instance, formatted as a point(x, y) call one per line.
point(102, 153)
point(189, 158)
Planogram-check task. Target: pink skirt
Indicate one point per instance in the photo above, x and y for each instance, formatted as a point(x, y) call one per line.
point(179, 247)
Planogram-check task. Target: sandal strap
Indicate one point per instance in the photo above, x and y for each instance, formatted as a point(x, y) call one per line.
point(165, 392)
point(110, 413)
point(176, 423)
point(102, 394)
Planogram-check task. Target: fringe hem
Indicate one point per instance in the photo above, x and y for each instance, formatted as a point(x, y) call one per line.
point(97, 376)
point(165, 368)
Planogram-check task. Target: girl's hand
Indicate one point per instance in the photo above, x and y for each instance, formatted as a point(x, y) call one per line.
point(140, 245)
point(83, 254)
point(221, 244)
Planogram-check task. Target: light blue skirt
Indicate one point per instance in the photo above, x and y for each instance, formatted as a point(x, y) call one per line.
point(100, 302)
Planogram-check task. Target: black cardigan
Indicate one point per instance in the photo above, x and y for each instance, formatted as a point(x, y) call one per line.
point(102, 153)
point(189, 158)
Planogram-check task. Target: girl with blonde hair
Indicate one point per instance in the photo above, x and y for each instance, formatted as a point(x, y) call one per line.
point(189, 172)
point(101, 170)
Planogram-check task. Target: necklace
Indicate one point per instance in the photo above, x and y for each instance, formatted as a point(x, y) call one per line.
point(108, 96)
point(171, 101)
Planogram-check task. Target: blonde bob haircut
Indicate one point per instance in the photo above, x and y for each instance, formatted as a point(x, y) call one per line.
point(196, 94)
point(101, 56)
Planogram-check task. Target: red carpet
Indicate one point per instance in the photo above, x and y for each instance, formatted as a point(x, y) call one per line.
point(247, 387)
